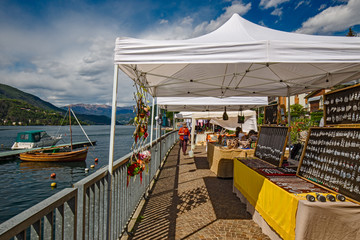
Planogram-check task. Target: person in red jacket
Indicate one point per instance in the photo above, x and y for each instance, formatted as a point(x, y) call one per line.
point(184, 134)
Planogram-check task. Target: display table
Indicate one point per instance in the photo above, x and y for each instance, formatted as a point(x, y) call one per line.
point(221, 159)
point(290, 215)
point(201, 139)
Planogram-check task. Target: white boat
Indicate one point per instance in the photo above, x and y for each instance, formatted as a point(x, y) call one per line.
point(34, 139)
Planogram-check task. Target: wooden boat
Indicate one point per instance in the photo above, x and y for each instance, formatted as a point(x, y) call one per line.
point(43, 156)
point(56, 154)
point(26, 166)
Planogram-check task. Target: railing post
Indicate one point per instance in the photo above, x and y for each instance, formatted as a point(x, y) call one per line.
point(35, 230)
point(48, 225)
point(70, 218)
point(59, 222)
point(81, 211)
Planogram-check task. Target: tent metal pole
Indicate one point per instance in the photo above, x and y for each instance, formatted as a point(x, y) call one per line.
point(193, 123)
point(174, 122)
point(111, 152)
point(289, 118)
point(152, 120)
point(113, 118)
point(157, 125)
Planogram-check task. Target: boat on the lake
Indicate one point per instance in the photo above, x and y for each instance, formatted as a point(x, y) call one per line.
point(34, 139)
point(57, 154)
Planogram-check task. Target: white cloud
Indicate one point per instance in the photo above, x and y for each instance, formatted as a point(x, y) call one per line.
point(184, 28)
point(302, 3)
point(236, 7)
point(187, 20)
point(69, 62)
point(322, 6)
point(261, 22)
point(333, 19)
point(277, 12)
point(271, 3)
point(68, 57)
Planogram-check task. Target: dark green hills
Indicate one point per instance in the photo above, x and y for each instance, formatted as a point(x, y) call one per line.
point(21, 108)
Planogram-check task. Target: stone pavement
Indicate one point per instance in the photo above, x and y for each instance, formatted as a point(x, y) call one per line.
point(189, 202)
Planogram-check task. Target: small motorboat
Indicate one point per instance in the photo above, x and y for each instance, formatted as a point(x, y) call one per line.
point(34, 139)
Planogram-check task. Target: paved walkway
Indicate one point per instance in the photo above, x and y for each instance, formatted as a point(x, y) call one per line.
point(190, 202)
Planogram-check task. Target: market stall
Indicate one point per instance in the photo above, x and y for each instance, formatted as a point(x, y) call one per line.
point(244, 59)
point(250, 122)
point(221, 159)
point(278, 204)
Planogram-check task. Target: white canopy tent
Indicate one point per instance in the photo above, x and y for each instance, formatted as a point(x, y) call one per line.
point(238, 59)
point(216, 118)
point(211, 104)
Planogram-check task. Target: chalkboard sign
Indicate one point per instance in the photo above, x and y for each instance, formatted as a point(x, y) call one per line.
point(271, 114)
point(342, 106)
point(332, 159)
point(271, 144)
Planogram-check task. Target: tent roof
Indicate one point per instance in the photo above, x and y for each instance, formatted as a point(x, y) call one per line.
point(210, 103)
point(211, 115)
point(239, 59)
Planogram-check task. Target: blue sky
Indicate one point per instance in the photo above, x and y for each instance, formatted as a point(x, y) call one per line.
point(62, 51)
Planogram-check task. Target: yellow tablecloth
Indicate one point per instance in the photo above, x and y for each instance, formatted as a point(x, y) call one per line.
point(293, 217)
point(221, 159)
point(268, 199)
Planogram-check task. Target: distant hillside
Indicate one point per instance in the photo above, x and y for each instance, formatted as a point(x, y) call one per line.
point(18, 112)
point(14, 100)
point(7, 92)
point(123, 114)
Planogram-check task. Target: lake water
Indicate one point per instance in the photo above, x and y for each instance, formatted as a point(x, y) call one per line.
point(24, 184)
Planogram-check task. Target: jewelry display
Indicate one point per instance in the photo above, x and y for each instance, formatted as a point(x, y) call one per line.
point(271, 143)
point(331, 158)
point(341, 107)
point(271, 114)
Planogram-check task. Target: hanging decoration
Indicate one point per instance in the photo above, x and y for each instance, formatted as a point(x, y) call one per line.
point(241, 117)
point(225, 116)
point(140, 160)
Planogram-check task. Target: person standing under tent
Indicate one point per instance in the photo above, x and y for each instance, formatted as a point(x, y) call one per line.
point(184, 134)
point(240, 134)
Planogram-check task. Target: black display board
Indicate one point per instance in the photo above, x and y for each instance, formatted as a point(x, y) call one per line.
point(271, 144)
point(332, 159)
point(342, 106)
point(271, 114)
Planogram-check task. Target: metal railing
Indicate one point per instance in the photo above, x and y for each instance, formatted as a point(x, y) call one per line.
point(99, 206)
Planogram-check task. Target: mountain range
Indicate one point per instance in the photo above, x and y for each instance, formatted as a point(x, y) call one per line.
point(91, 114)
point(123, 114)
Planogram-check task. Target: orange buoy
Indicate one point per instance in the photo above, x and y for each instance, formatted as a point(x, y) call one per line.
point(96, 159)
point(53, 184)
point(53, 175)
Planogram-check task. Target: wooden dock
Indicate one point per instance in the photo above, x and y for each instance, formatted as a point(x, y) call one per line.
point(13, 154)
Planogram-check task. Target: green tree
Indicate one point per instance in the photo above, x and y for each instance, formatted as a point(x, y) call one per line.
point(297, 111)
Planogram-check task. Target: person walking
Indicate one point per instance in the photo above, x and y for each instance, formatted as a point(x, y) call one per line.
point(184, 134)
